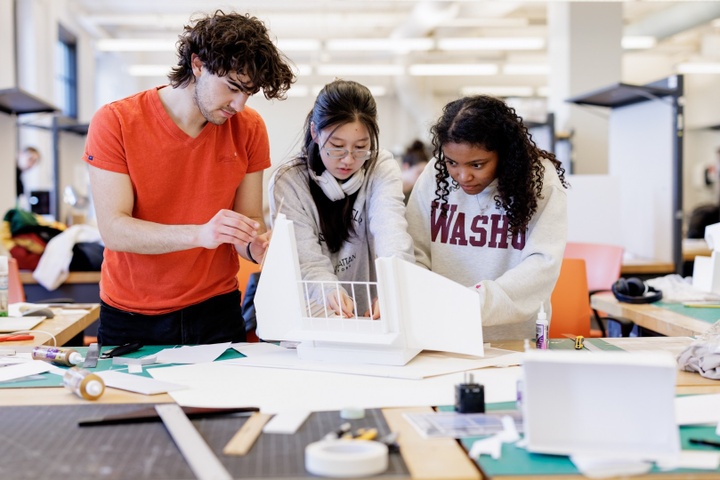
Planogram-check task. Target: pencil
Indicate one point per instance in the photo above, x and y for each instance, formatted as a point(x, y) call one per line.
point(701, 305)
point(699, 441)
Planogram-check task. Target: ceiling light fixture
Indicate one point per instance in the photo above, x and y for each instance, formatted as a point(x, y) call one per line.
point(339, 70)
point(452, 69)
point(400, 45)
point(135, 45)
point(698, 67)
point(526, 69)
point(149, 70)
point(492, 43)
point(298, 45)
point(638, 42)
point(499, 91)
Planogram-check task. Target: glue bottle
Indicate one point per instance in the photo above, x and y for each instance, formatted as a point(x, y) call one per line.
point(3, 286)
point(60, 356)
point(541, 329)
point(83, 383)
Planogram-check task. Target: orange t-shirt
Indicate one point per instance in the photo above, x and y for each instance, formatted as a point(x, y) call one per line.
point(177, 180)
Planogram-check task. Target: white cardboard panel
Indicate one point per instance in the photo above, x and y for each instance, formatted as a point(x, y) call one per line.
point(413, 318)
point(605, 404)
point(641, 155)
point(594, 209)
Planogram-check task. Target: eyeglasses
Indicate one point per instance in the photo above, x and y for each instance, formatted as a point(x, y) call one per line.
point(343, 152)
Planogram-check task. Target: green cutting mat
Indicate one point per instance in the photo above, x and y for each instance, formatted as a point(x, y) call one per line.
point(52, 380)
point(709, 315)
point(518, 461)
point(569, 344)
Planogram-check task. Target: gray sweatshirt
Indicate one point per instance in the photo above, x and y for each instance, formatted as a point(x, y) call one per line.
point(473, 247)
point(380, 225)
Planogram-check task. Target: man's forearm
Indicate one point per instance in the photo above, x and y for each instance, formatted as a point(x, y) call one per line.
point(139, 236)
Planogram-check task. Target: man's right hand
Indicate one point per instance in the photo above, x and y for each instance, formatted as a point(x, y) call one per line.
point(228, 226)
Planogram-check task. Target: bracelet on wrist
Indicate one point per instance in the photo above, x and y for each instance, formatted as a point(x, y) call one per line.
point(249, 254)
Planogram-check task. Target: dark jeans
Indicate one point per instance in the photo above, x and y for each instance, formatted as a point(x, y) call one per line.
point(216, 320)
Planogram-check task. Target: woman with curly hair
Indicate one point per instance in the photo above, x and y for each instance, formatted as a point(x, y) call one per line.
point(344, 196)
point(490, 212)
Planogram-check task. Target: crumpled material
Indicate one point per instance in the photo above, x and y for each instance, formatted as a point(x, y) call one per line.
point(676, 289)
point(703, 354)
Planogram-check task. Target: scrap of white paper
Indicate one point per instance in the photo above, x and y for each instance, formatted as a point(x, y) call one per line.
point(487, 446)
point(192, 354)
point(696, 459)
point(286, 422)
point(257, 348)
point(73, 311)
point(137, 384)
point(603, 467)
point(20, 370)
point(493, 445)
point(425, 364)
point(18, 324)
point(697, 409)
point(219, 384)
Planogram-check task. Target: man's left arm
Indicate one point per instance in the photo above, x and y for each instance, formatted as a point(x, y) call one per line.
point(249, 202)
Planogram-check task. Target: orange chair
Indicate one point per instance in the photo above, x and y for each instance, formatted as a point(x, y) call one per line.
point(570, 301)
point(603, 263)
point(16, 291)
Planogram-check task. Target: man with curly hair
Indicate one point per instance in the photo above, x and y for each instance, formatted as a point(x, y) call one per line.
point(490, 212)
point(177, 181)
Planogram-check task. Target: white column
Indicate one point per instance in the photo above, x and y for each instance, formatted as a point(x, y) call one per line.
point(585, 54)
point(8, 136)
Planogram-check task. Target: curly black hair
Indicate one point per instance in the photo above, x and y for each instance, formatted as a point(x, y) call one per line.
point(233, 43)
point(491, 124)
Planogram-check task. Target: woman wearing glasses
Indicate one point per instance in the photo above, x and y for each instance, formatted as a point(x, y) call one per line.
point(344, 196)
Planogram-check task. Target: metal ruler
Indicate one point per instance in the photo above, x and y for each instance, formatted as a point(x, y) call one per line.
point(202, 460)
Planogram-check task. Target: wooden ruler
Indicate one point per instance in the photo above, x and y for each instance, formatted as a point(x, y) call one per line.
point(244, 439)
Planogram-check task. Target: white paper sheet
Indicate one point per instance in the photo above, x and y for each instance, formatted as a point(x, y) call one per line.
point(286, 422)
point(696, 459)
point(136, 383)
point(18, 324)
point(24, 369)
point(192, 354)
point(425, 364)
point(697, 409)
point(275, 390)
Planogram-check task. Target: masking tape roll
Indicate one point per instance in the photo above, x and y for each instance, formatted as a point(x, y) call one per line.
point(346, 458)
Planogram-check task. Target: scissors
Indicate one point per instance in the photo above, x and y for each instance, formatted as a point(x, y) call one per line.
point(16, 337)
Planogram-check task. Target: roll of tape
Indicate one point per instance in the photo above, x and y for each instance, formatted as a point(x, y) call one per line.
point(346, 458)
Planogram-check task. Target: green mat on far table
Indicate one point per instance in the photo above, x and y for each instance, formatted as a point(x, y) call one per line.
point(709, 315)
point(569, 344)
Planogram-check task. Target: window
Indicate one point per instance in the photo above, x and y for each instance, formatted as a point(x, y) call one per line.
point(66, 79)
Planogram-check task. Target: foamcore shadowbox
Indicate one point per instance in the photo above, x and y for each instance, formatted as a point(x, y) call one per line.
point(612, 405)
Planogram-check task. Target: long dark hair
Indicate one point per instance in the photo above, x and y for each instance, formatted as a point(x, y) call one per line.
point(491, 124)
point(233, 43)
point(338, 103)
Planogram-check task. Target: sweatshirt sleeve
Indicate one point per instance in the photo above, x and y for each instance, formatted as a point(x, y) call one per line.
point(288, 186)
point(386, 211)
point(516, 295)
